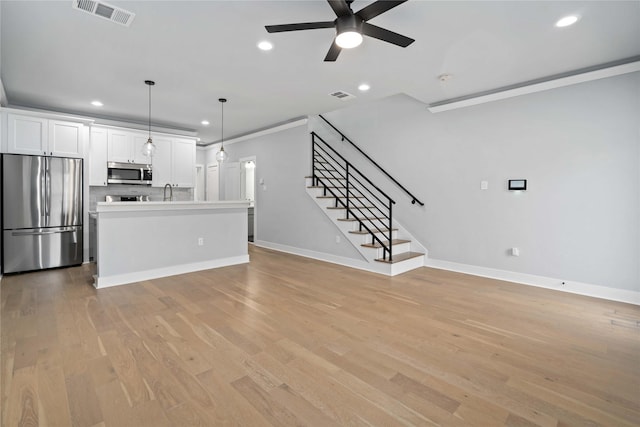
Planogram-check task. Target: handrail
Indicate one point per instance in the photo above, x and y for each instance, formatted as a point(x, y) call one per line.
point(354, 168)
point(414, 199)
point(320, 154)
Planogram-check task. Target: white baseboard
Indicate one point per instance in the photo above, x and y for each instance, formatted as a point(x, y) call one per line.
point(613, 294)
point(138, 276)
point(320, 256)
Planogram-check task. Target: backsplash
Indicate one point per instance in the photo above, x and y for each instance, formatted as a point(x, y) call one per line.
point(97, 194)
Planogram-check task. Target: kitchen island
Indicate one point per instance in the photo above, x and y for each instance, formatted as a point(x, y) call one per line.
point(139, 241)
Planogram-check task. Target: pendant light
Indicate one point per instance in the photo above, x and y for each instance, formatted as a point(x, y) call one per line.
point(221, 156)
point(149, 149)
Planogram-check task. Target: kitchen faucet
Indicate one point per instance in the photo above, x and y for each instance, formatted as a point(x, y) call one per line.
point(164, 193)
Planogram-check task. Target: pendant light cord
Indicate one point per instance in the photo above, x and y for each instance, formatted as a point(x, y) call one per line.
point(222, 128)
point(222, 101)
point(149, 111)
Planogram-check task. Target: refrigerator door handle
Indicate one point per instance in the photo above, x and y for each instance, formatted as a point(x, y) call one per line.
point(40, 233)
point(43, 194)
point(47, 174)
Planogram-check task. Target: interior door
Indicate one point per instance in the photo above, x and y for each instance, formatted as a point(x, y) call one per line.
point(213, 182)
point(198, 191)
point(232, 181)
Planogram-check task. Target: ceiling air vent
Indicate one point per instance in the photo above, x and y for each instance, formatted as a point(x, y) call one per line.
point(106, 11)
point(342, 95)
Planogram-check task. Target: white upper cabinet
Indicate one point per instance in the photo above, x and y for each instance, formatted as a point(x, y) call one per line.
point(139, 139)
point(65, 138)
point(184, 163)
point(98, 157)
point(162, 162)
point(126, 146)
point(174, 162)
point(43, 137)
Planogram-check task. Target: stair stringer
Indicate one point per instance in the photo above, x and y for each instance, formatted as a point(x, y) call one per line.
point(370, 254)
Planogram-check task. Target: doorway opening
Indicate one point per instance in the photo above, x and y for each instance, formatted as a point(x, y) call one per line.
point(248, 191)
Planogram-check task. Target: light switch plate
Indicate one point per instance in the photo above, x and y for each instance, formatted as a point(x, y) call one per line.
point(484, 185)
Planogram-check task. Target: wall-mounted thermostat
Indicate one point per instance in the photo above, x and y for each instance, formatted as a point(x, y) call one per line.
point(518, 184)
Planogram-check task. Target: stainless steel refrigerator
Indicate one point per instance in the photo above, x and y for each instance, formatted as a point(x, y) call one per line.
point(41, 212)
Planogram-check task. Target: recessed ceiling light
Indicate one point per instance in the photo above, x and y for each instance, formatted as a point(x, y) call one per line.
point(97, 103)
point(265, 45)
point(364, 87)
point(205, 122)
point(566, 21)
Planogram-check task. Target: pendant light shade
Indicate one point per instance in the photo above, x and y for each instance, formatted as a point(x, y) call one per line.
point(221, 156)
point(149, 148)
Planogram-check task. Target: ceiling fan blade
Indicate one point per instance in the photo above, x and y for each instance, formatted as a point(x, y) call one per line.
point(299, 26)
point(377, 8)
point(340, 7)
point(386, 35)
point(333, 53)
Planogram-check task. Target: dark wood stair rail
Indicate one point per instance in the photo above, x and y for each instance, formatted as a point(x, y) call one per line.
point(414, 199)
point(374, 208)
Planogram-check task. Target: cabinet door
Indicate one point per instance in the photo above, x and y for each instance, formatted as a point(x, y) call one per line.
point(65, 138)
point(184, 163)
point(28, 135)
point(162, 162)
point(138, 141)
point(98, 157)
point(119, 146)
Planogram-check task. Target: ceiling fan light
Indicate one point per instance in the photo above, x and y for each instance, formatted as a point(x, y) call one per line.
point(349, 39)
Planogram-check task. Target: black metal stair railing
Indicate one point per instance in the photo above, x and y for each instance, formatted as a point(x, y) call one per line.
point(414, 199)
point(362, 200)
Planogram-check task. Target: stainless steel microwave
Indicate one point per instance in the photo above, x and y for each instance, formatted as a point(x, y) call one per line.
point(128, 173)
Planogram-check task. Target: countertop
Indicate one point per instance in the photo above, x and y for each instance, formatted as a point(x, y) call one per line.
point(168, 206)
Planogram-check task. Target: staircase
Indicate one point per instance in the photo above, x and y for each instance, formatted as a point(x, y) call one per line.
point(362, 212)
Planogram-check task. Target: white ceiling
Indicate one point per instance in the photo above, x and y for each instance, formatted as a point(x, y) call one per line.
point(56, 57)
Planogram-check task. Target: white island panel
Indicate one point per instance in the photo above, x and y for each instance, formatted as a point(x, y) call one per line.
point(147, 240)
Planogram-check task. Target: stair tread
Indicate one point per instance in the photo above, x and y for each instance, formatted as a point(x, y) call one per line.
point(401, 257)
point(361, 219)
point(340, 197)
point(384, 230)
point(359, 207)
point(378, 245)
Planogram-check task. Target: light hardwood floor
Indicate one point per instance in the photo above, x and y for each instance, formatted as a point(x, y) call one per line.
point(286, 340)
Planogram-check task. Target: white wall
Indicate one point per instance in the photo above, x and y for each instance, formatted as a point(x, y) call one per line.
point(578, 147)
point(286, 216)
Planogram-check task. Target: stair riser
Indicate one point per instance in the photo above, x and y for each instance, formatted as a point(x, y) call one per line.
point(408, 265)
point(366, 238)
point(397, 249)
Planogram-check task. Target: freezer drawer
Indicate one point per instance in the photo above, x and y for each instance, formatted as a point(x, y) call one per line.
point(35, 249)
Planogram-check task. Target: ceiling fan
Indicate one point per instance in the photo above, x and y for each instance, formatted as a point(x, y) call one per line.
point(350, 26)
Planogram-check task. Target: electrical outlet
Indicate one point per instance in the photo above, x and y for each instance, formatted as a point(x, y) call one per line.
point(200, 241)
point(337, 239)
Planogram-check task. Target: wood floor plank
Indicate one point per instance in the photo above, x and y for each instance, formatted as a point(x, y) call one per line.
point(286, 340)
point(83, 401)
